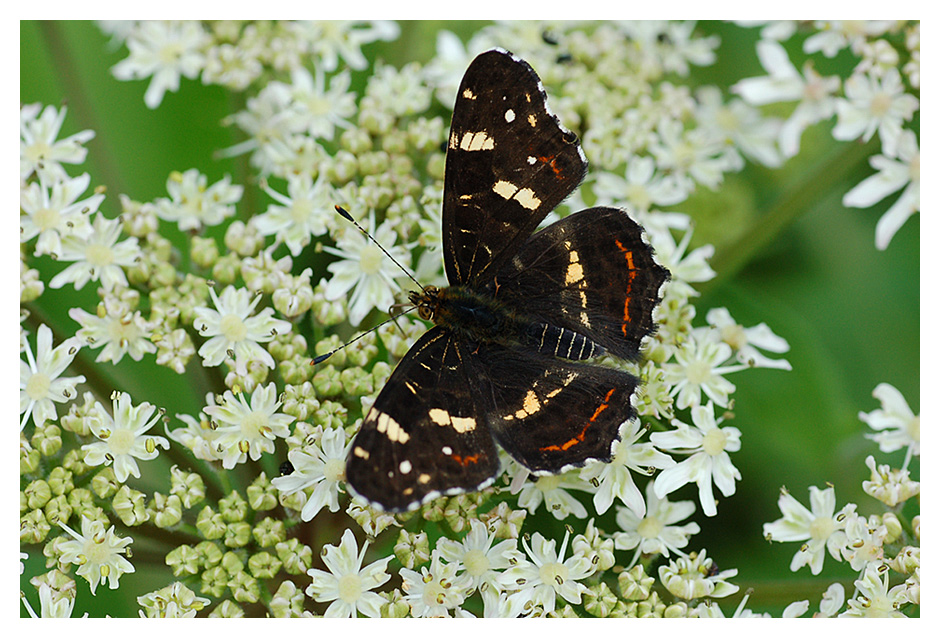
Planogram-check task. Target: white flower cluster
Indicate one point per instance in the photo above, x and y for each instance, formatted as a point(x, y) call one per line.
point(315, 136)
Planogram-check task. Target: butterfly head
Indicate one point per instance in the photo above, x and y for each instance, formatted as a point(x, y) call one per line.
point(427, 301)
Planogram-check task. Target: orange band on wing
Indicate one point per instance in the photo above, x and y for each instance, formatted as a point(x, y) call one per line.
point(572, 442)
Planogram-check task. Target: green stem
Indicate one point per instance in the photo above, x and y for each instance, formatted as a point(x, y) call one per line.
point(796, 199)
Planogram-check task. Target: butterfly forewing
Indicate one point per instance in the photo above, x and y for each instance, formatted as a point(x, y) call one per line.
point(591, 272)
point(509, 163)
point(423, 435)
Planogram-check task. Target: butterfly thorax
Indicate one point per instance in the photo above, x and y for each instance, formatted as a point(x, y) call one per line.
point(479, 318)
point(483, 319)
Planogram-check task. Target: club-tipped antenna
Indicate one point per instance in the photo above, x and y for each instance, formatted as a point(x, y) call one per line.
point(323, 357)
point(342, 211)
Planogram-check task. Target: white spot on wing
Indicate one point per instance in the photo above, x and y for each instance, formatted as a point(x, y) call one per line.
point(510, 115)
point(478, 141)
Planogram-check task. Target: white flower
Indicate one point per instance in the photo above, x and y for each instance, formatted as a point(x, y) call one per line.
point(364, 269)
point(120, 331)
point(689, 154)
point(874, 598)
point(316, 110)
point(198, 436)
point(97, 257)
point(267, 121)
point(480, 558)
point(436, 589)
point(320, 465)
point(699, 368)
point(641, 187)
point(887, 485)
point(895, 423)
point(234, 67)
point(615, 479)
point(122, 437)
point(347, 585)
point(875, 104)
point(40, 385)
point(334, 39)
point(834, 35)
point(692, 576)
point(741, 126)
point(821, 527)
point(865, 540)
point(655, 533)
point(40, 151)
point(173, 601)
point(166, 51)
point(708, 446)
point(551, 489)
point(248, 430)
point(302, 213)
point(785, 84)
point(193, 204)
point(892, 176)
point(234, 332)
point(98, 553)
point(548, 576)
point(685, 268)
point(746, 341)
point(52, 604)
point(710, 609)
point(398, 91)
point(56, 212)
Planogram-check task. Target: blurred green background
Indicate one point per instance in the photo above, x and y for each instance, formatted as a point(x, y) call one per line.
point(788, 254)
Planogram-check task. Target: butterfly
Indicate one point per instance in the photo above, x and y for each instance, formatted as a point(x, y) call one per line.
point(504, 363)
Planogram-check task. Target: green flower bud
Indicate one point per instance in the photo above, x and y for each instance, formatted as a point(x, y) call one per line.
point(188, 486)
point(210, 524)
point(104, 483)
point(214, 582)
point(237, 534)
point(263, 565)
point(33, 527)
point(183, 561)
point(244, 588)
point(327, 382)
point(167, 510)
point(356, 382)
point(60, 480)
point(262, 496)
point(268, 532)
point(233, 508)
point(37, 494)
point(204, 251)
point(295, 556)
point(130, 506)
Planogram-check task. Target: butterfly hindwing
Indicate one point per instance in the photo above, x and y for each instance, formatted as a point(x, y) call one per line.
point(551, 414)
point(423, 435)
point(591, 272)
point(509, 163)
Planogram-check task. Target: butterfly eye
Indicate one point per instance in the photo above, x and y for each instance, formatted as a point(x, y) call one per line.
point(424, 311)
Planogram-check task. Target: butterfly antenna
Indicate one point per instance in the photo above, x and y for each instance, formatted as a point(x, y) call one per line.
point(323, 357)
point(342, 211)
